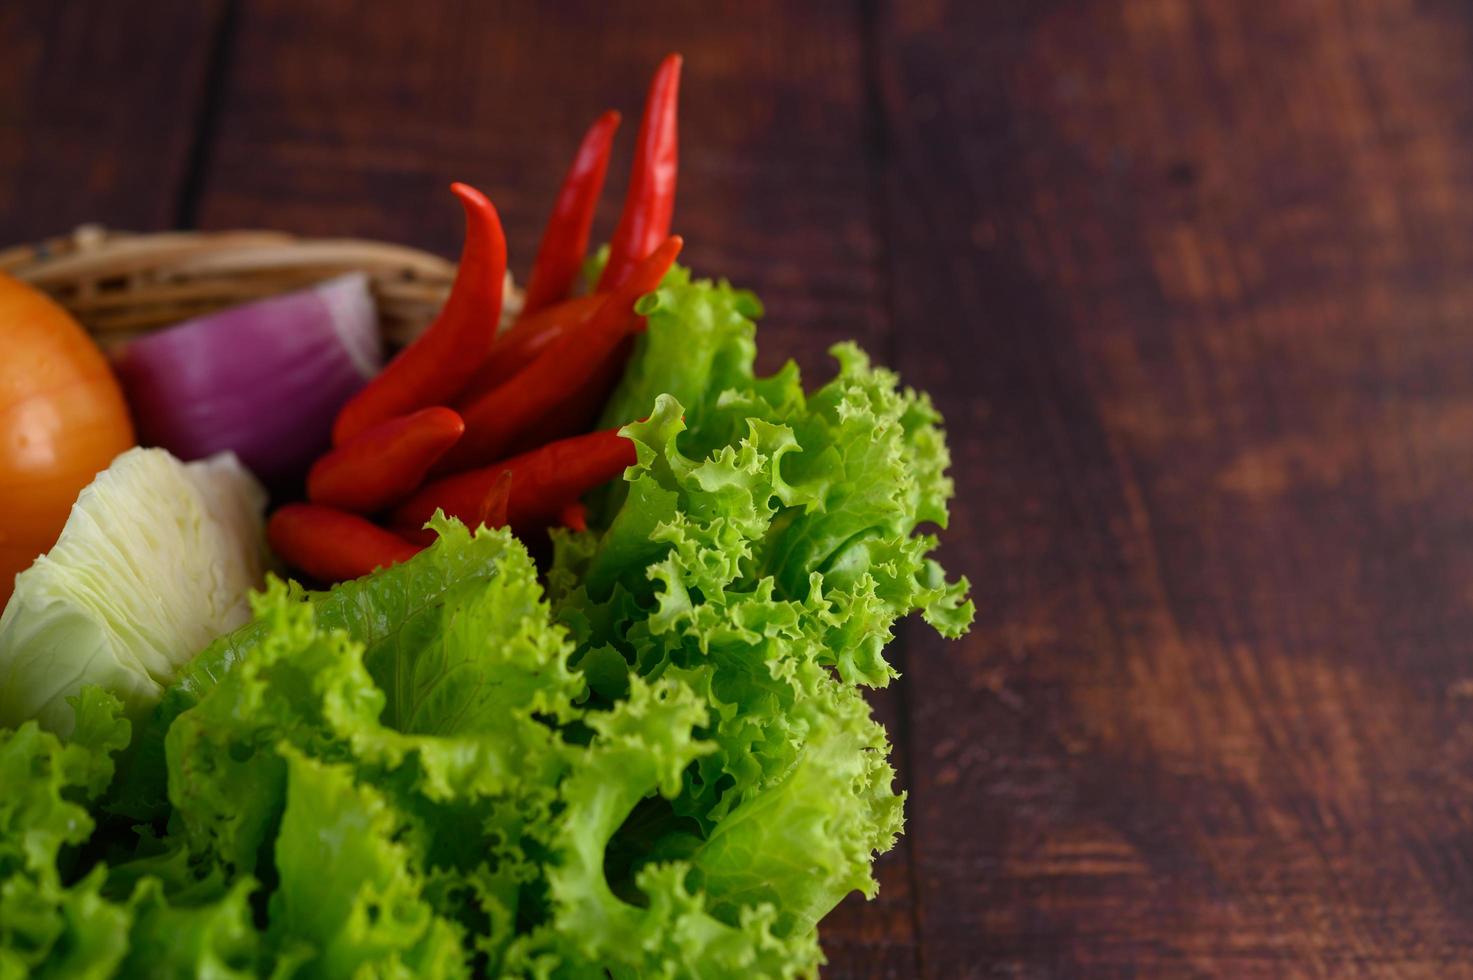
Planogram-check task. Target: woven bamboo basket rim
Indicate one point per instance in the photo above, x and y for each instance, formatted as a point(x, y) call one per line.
point(122, 284)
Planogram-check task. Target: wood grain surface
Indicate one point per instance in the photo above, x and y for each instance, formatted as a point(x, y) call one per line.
point(1192, 282)
point(100, 109)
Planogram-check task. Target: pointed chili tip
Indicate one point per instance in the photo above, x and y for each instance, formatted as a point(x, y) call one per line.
point(469, 194)
point(668, 74)
point(574, 517)
point(475, 202)
point(494, 505)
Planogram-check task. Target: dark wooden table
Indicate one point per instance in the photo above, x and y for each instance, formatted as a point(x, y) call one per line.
point(1192, 281)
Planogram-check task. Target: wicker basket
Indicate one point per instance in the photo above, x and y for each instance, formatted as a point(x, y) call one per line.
point(120, 284)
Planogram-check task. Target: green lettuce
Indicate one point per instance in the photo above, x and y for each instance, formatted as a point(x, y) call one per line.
point(652, 758)
point(383, 611)
point(60, 918)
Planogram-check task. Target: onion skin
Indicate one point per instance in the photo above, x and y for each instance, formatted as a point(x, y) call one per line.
point(263, 380)
point(62, 420)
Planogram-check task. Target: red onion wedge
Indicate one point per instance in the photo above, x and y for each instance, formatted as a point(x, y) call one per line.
point(264, 380)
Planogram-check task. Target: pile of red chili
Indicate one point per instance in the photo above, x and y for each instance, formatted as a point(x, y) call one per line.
point(484, 426)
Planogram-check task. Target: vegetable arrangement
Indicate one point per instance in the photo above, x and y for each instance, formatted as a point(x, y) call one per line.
point(648, 758)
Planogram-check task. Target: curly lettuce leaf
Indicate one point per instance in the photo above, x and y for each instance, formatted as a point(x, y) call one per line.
point(700, 337)
point(762, 550)
point(486, 810)
point(214, 939)
point(47, 921)
point(62, 921)
point(445, 754)
point(375, 609)
point(654, 925)
point(350, 899)
point(806, 840)
point(384, 611)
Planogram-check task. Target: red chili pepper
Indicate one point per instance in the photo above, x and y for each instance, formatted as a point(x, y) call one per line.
point(491, 512)
point(496, 420)
point(416, 533)
point(382, 465)
point(544, 482)
point(332, 545)
point(497, 502)
point(528, 337)
point(580, 411)
point(433, 369)
point(565, 241)
point(574, 517)
point(650, 201)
